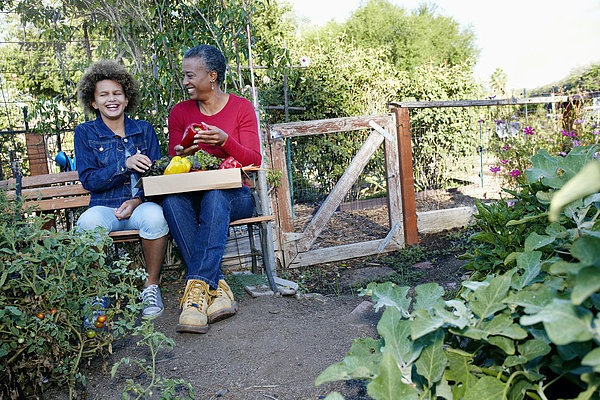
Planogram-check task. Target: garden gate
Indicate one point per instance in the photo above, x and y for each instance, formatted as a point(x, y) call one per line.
point(295, 248)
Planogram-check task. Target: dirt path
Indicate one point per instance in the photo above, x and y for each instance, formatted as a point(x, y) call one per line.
point(274, 348)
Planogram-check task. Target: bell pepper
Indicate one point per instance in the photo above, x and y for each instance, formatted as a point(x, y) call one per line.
point(188, 135)
point(178, 165)
point(230, 162)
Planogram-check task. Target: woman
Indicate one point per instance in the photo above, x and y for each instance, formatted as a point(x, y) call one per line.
point(111, 152)
point(199, 221)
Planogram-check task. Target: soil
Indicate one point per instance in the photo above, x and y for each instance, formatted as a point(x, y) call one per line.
point(276, 346)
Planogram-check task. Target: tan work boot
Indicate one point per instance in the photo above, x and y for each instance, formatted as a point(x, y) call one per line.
point(194, 304)
point(223, 304)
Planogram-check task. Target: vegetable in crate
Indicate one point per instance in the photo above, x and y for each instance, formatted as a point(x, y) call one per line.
point(158, 167)
point(201, 160)
point(230, 162)
point(178, 165)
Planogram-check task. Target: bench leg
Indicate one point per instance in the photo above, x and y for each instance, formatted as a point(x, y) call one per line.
point(253, 249)
point(268, 254)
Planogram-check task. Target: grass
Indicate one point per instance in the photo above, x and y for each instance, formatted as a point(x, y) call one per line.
point(237, 282)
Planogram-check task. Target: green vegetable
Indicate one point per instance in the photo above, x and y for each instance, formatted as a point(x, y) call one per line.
point(201, 160)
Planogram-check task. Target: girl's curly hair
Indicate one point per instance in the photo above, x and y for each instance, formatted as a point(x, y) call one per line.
point(103, 70)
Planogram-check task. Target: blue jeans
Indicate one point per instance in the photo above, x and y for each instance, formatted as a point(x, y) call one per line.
point(148, 218)
point(199, 224)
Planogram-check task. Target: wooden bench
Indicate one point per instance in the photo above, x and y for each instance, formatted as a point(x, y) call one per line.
point(64, 191)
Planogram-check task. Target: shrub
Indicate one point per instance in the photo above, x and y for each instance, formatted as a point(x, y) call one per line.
point(47, 279)
point(517, 334)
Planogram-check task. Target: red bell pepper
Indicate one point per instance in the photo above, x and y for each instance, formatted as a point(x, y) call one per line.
point(190, 132)
point(230, 162)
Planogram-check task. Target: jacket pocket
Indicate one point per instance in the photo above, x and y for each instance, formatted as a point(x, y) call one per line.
point(106, 153)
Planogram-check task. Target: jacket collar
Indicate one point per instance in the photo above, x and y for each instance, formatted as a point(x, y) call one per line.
point(131, 128)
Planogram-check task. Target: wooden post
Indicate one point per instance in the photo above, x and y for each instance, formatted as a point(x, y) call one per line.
point(407, 183)
point(36, 153)
point(284, 201)
point(393, 184)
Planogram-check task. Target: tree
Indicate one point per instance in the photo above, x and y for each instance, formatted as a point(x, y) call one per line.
point(498, 81)
point(412, 39)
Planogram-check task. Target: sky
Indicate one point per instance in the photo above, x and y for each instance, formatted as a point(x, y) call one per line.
point(535, 42)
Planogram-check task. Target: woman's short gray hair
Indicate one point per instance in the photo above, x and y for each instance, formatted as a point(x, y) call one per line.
point(212, 58)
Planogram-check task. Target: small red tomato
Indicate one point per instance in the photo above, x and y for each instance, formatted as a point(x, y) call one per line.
point(101, 318)
point(98, 324)
point(41, 315)
point(53, 311)
point(91, 334)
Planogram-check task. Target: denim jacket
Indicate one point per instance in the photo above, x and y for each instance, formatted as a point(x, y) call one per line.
point(101, 158)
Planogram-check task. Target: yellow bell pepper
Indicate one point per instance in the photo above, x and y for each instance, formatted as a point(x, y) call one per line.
point(178, 165)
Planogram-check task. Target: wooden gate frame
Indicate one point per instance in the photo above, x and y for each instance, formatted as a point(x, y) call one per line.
point(293, 248)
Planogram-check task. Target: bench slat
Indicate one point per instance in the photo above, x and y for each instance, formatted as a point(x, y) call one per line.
point(61, 203)
point(253, 220)
point(42, 180)
point(48, 192)
point(132, 235)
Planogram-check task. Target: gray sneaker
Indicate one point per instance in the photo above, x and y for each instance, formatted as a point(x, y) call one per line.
point(153, 305)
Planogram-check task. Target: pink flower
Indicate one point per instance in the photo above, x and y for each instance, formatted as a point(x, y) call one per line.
point(494, 169)
point(515, 172)
point(568, 134)
point(529, 130)
point(506, 148)
point(503, 161)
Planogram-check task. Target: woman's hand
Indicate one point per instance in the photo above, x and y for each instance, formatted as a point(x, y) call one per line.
point(127, 208)
point(181, 151)
point(213, 136)
point(138, 162)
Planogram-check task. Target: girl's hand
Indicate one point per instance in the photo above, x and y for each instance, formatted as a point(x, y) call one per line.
point(127, 208)
point(138, 162)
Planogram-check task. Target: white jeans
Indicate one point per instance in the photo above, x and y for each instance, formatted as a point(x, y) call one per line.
point(148, 218)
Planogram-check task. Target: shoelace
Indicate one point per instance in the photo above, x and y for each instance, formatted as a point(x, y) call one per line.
point(195, 294)
point(150, 295)
point(222, 291)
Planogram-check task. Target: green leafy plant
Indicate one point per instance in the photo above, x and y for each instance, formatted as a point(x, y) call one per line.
point(526, 332)
point(48, 281)
point(155, 341)
point(503, 226)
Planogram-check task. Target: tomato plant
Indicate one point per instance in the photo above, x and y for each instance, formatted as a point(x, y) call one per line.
point(101, 318)
point(46, 282)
